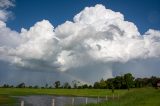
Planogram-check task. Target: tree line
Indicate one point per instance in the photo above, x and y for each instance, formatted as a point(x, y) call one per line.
point(125, 81)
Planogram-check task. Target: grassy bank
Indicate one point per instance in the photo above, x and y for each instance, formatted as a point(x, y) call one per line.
point(4, 99)
point(9, 92)
point(66, 92)
point(135, 97)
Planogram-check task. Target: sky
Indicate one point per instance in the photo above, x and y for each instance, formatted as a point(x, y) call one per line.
point(144, 13)
point(42, 41)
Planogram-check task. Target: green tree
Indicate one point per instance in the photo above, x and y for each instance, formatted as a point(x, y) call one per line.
point(153, 81)
point(85, 86)
point(36, 86)
point(5, 86)
point(96, 85)
point(21, 85)
point(129, 80)
point(57, 84)
point(66, 85)
point(76, 83)
point(110, 83)
point(102, 84)
point(118, 81)
point(46, 86)
point(138, 82)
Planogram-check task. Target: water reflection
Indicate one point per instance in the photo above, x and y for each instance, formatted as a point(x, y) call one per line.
point(57, 100)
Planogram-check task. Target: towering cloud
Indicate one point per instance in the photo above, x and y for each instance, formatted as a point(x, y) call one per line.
point(91, 44)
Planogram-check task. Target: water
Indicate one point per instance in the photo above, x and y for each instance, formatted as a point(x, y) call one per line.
point(39, 100)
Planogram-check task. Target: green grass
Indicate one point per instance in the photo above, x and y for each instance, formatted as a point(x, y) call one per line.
point(6, 99)
point(66, 92)
point(135, 97)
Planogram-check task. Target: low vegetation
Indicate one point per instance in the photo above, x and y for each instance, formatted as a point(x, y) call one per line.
point(133, 92)
point(9, 92)
point(66, 92)
point(125, 81)
point(4, 99)
point(135, 97)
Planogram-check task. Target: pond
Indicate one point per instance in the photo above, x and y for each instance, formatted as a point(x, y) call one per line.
point(42, 100)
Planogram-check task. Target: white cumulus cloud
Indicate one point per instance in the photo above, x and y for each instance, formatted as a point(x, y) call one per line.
point(95, 38)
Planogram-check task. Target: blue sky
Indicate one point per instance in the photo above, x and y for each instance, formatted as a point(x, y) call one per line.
point(144, 13)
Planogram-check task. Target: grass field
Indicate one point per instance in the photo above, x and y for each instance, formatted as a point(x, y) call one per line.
point(4, 99)
point(134, 97)
point(6, 93)
point(66, 92)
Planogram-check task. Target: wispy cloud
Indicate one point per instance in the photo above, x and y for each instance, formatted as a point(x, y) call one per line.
point(4, 5)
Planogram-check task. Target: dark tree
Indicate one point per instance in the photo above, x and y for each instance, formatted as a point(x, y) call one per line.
point(102, 84)
point(153, 81)
point(138, 82)
point(30, 86)
point(85, 86)
point(5, 86)
point(118, 81)
point(111, 84)
point(90, 87)
point(66, 85)
point(21, 85)
point(57, 84)
point(96, 85)
point(129, 80)
point(75, 83)
point(46, 86)
point(36, 86)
